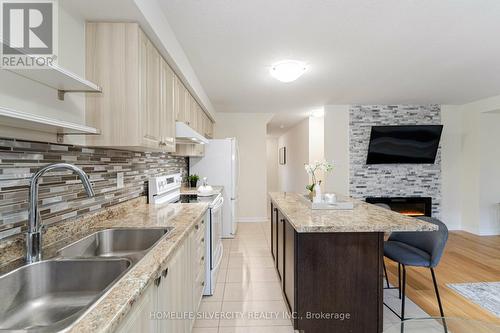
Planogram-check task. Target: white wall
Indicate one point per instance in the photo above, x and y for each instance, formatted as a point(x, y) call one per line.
point(304, 143)
point(21, 94)
point(250, 131)
point(272, 167)
point(317, 141)
point(451, 166)
point(471, 160)
point(489, 200)
point(272, 164)
point(480, 165)
point(292, 175)
point(336, 147)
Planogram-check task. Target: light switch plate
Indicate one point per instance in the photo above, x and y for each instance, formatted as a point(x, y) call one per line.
point(119, 180)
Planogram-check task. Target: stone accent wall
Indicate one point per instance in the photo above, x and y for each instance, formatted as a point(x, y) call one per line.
point(61, 194)
point(392, 180)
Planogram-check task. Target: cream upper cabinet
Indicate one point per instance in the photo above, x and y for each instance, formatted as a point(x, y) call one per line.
point(199, 120)
point(190, 149)
point(187, 106)
point(167, 114)
point(192, 113)
point(150, 84)
point(133, 111)
point(180, 101)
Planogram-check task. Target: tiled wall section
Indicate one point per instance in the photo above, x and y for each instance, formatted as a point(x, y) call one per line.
point(61, 194)
point(395, 179)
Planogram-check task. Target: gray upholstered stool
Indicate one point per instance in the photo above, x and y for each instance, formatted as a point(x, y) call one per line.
point(422, 249)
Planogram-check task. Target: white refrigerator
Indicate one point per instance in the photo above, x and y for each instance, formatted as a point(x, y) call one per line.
point(221, 167)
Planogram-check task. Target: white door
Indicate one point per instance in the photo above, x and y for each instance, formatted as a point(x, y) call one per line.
point(235, 170)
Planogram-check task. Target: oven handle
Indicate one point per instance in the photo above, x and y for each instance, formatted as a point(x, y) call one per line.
point(220, 257)
point(219, 205)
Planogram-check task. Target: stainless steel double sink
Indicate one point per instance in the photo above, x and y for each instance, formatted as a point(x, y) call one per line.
point(50, 295)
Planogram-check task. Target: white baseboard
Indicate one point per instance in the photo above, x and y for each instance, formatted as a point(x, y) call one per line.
point(252, 219)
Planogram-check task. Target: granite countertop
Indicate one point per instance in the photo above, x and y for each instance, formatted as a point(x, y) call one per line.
point(109, 311)
point(194, 190)
point(363, 218)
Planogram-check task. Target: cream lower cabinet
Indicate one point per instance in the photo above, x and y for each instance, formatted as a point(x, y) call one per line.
point(140, 317)
point(135, 109)
point(170, 303)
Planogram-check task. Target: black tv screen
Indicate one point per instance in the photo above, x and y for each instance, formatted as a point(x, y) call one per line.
point(404, 144)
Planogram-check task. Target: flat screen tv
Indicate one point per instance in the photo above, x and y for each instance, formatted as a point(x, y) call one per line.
point(404, 144)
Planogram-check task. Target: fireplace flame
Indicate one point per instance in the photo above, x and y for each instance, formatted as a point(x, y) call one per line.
point(412, 213)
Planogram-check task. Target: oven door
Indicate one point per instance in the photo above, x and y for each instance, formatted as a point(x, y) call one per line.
point(216, 233)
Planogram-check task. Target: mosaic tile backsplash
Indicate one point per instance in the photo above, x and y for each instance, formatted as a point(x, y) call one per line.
point(392, 180)
point(61, 195)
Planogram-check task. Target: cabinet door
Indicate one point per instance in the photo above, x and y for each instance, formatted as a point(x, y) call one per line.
point(179, 100)
point(206, 120)
point(167, 116)
point(280, 244)
point(210, 128)
point(150, 115)
point(139, 317)
point(289, 279)
point(187, 106)
point(170, 295)
point(200, 128)
point(190, 149)
point(274, 233)
point(110, 48)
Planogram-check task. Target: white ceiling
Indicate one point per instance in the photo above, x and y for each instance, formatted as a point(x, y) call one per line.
point(358, 51)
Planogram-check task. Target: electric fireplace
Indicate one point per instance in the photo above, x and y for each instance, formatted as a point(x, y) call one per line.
point(410, 206)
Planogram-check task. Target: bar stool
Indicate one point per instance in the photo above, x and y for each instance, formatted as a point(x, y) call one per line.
point(417, 249)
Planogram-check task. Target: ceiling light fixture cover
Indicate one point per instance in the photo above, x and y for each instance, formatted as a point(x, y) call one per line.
point(318, 113)
point(288, 70)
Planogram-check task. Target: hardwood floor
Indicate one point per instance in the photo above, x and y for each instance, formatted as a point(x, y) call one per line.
point(467, 258)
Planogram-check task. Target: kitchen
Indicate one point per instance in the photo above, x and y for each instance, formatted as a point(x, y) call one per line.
point(149, 183)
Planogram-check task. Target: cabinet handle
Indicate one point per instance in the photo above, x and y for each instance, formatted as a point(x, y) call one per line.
point(202, 283)
point(202, 221)
point(202, 258)
point(157, 281)
point(203, 239)
point(196, 227)
point(165, 272)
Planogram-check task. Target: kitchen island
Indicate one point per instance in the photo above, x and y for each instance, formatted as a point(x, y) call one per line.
point(330, 262)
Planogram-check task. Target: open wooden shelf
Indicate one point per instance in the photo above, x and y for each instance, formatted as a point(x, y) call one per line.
point(60, 79)
point(18, 119)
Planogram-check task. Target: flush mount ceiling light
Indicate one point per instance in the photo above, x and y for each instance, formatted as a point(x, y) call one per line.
point(318, 113)
point(288, 70)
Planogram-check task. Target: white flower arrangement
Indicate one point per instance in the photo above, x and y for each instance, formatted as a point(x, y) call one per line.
point(311, 170)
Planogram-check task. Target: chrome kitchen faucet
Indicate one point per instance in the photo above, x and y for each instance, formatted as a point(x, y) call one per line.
point(34, 234)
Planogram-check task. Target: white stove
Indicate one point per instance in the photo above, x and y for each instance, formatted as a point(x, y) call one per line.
point(167, 189)
point(164, 188)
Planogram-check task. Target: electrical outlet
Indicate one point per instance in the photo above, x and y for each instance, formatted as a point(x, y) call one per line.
point(119, 180)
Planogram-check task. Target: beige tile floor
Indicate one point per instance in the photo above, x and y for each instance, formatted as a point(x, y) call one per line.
point(247, 283)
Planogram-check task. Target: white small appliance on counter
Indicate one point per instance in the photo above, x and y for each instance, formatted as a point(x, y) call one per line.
point(205, 190)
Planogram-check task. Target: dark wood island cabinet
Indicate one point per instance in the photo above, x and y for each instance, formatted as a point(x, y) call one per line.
point(330, 263)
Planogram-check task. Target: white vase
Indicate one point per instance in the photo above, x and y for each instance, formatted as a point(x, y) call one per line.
point(318, 197)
